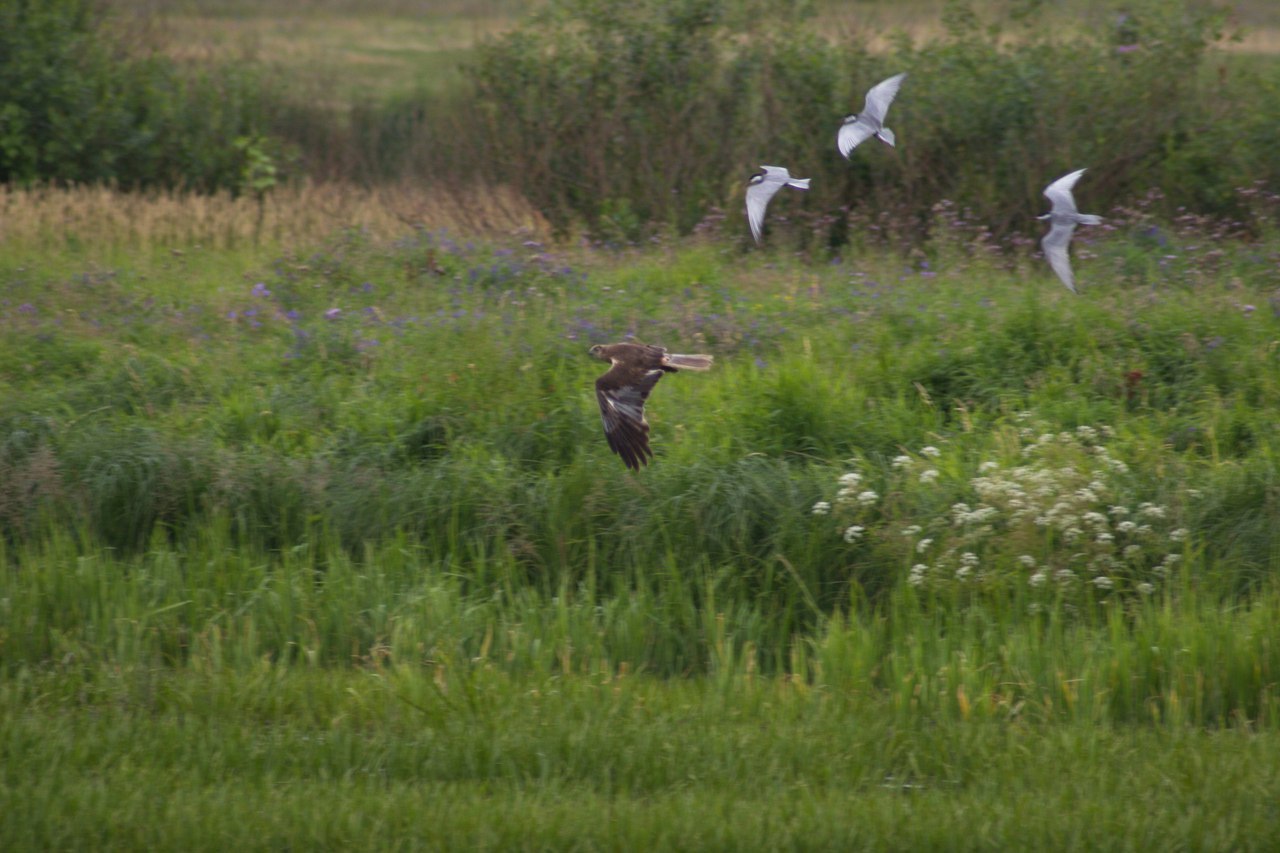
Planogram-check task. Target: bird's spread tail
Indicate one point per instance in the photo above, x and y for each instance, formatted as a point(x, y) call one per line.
point(799, 183)
point(886, 136)
point(690, 362)
point(1089, 219)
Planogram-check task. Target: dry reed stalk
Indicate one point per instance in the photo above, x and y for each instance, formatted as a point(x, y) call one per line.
point(103, 216)
point(877, 27)
point(1257, 40)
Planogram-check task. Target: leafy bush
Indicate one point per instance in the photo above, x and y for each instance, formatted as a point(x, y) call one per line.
point(78, 108)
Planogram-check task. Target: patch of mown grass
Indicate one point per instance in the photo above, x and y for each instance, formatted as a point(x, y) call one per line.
point(405, 758)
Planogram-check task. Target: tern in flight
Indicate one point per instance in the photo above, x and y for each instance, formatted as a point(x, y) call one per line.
point(762, 187)
point(860, 127)
point(1063, 219)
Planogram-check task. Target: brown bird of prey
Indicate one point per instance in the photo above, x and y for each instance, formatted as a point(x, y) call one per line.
point(624, 387)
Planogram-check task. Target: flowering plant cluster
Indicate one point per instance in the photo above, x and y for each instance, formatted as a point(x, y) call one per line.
point(1056, 521)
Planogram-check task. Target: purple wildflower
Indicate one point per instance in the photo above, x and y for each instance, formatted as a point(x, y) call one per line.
point(260, 291)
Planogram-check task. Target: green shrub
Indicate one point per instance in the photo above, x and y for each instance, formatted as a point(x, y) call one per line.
point(78, 108)
point(651, 110)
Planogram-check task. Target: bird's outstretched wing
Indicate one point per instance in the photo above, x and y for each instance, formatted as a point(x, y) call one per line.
point(758, 196)
point(881, 95)
point(1059, 194)
point(852, 134)
point(621, 392)
point(1055, 245)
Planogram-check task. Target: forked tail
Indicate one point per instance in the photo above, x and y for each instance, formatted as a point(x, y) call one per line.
point(1089, 219)
point(799, 183)
point(689, 362)
point(886, 135)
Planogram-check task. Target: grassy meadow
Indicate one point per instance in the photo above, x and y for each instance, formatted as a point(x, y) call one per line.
point(310, 536)
point(331, 521)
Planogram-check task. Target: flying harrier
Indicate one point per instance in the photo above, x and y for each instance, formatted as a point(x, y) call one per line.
point(624, 387)
point(1063, 220)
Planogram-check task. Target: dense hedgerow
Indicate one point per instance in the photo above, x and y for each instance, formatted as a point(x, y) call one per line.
point(627, 114)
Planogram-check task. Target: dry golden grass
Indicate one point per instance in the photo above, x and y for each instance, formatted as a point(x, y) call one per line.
point(340, 51)
point(1257, 40)
point(293, 39)
point(348, 57)
point(877, 24)
point(88, 216)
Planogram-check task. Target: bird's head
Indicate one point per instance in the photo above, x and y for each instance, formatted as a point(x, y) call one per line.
point(756, 178)
point(597, 351)
point(850, 119)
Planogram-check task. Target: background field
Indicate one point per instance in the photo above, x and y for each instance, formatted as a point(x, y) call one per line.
point(311, 538)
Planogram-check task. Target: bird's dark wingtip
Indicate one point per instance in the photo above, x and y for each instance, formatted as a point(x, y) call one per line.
point(633, 450)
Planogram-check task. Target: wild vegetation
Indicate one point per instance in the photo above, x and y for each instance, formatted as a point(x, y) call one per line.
point(572, 107)
point(592, 84)
point(309, 534)
point(81, 106)
point(357, 493)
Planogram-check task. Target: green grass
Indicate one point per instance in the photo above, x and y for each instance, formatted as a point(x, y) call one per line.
point(388, 759)
point(270, 583)
point(1177, 657)
point(317, 543)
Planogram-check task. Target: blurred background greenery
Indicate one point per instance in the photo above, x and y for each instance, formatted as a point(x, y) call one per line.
point(626, 118)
